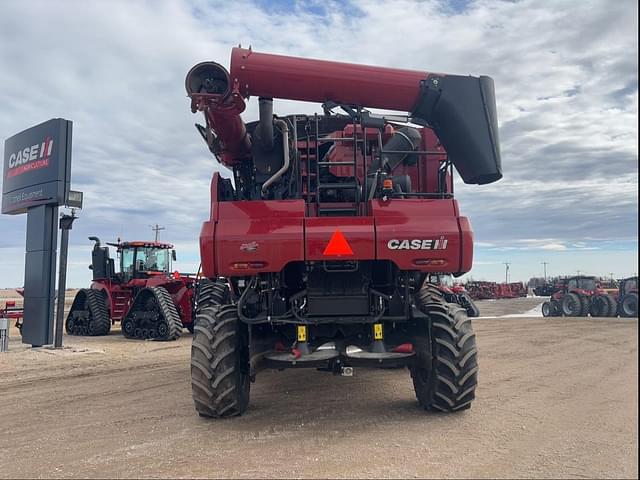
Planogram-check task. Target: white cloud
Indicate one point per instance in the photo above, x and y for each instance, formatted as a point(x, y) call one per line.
point(565, 73)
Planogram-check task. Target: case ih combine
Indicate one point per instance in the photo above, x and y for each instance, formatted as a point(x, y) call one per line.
point(320, 246)
point(148, 300)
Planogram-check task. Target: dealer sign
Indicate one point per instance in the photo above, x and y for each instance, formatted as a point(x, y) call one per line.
point(37, 166)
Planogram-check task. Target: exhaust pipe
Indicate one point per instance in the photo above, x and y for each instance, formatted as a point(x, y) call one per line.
point(265, 138)
point(285, 149)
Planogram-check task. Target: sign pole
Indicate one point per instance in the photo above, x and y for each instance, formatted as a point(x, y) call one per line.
point(66, 223)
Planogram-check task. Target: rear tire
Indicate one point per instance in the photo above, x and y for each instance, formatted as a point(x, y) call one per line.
point(571, 305)
point(613, 306)
point(629, 305)
point(599, 306)
point(212, 292)
point(547, 309)
point(446, 370)
point(220, 382)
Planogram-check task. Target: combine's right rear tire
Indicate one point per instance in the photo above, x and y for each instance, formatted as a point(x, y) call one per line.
point(571, 305)
point(600, 306)
point(220, 381)
point(629, 305)
point(469, 305)
point(89, 314)
point(445, 375)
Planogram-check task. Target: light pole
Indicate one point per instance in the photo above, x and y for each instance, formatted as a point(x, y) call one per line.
point(506, 271)
point(545, 270)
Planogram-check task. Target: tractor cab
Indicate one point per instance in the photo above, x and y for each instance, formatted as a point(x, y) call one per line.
point(137, 260)
point(586, 284)
point(144, 259)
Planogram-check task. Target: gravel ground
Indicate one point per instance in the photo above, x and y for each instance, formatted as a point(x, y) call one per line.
point(557, 398)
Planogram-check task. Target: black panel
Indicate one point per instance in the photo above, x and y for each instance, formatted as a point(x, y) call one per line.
point(462, 112)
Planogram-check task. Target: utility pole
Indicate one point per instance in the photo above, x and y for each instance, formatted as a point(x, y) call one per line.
point(611, 275)
point(545, 270)
point(506, 271)
point(157, 229)
point(578, 272)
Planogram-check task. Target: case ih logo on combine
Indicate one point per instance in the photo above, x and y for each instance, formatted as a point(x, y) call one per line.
point(418, 244)
point(30, 158)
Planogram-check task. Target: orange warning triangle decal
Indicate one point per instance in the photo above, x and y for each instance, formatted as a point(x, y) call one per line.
point(338, 245)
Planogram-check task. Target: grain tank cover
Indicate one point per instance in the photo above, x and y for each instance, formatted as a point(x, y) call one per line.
point(462, 111)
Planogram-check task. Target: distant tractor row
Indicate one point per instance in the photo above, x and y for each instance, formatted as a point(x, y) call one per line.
point(494, 290)
point(582, 295)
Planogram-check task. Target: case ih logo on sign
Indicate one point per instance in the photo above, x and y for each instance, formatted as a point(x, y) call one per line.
point(37, 166)
point(30, 158)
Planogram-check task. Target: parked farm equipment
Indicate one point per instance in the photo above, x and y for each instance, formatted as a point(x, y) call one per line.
point(320, 248)
point(628, 297)
point(144, 295)
point(579, 296)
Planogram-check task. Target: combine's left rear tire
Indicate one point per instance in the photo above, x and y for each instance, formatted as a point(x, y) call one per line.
point(446, 370)
point(220, 381)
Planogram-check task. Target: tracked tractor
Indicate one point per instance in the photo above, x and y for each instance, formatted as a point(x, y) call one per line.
point(145, 296)
point(321, 245)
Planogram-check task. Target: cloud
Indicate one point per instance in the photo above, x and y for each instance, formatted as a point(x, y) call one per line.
point(565, 73)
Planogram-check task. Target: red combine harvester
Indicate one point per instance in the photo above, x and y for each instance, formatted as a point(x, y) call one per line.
point(145, 297)
point(320, 247)
point(579, 296)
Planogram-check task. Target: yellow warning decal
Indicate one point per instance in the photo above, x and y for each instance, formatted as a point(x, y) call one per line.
point(302, 333)
point(377, 331)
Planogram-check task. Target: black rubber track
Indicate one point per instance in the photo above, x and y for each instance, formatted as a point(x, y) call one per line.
point(169, 314)
point(449, 383)
point(219, 363)
point(99, 322)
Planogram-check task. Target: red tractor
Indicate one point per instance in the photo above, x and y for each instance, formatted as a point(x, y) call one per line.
point(578, 297)
point(144, 296)
point(628, 297)
point(321, 246)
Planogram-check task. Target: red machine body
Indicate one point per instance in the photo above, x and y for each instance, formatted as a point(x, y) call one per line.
point(147, 298)
point(333, 225)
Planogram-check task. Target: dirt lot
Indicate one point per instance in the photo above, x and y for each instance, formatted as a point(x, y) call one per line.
point(557, 398)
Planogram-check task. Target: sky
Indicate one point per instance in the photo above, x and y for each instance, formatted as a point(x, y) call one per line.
point(566, 75)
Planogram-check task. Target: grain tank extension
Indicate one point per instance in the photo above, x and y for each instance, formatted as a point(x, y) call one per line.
point(326, 247)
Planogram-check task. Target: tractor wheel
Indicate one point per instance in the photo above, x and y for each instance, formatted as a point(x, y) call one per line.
point(220, 380)
point(469, 305)
point(211, 293)
point(599, 306)
point(613, 306)
point(446, 369)
point(169, 325)
point(571, 305)
point(547, 309)
point(629, 305)
point(555, 308)
point(88, 315)
point(586, 305)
